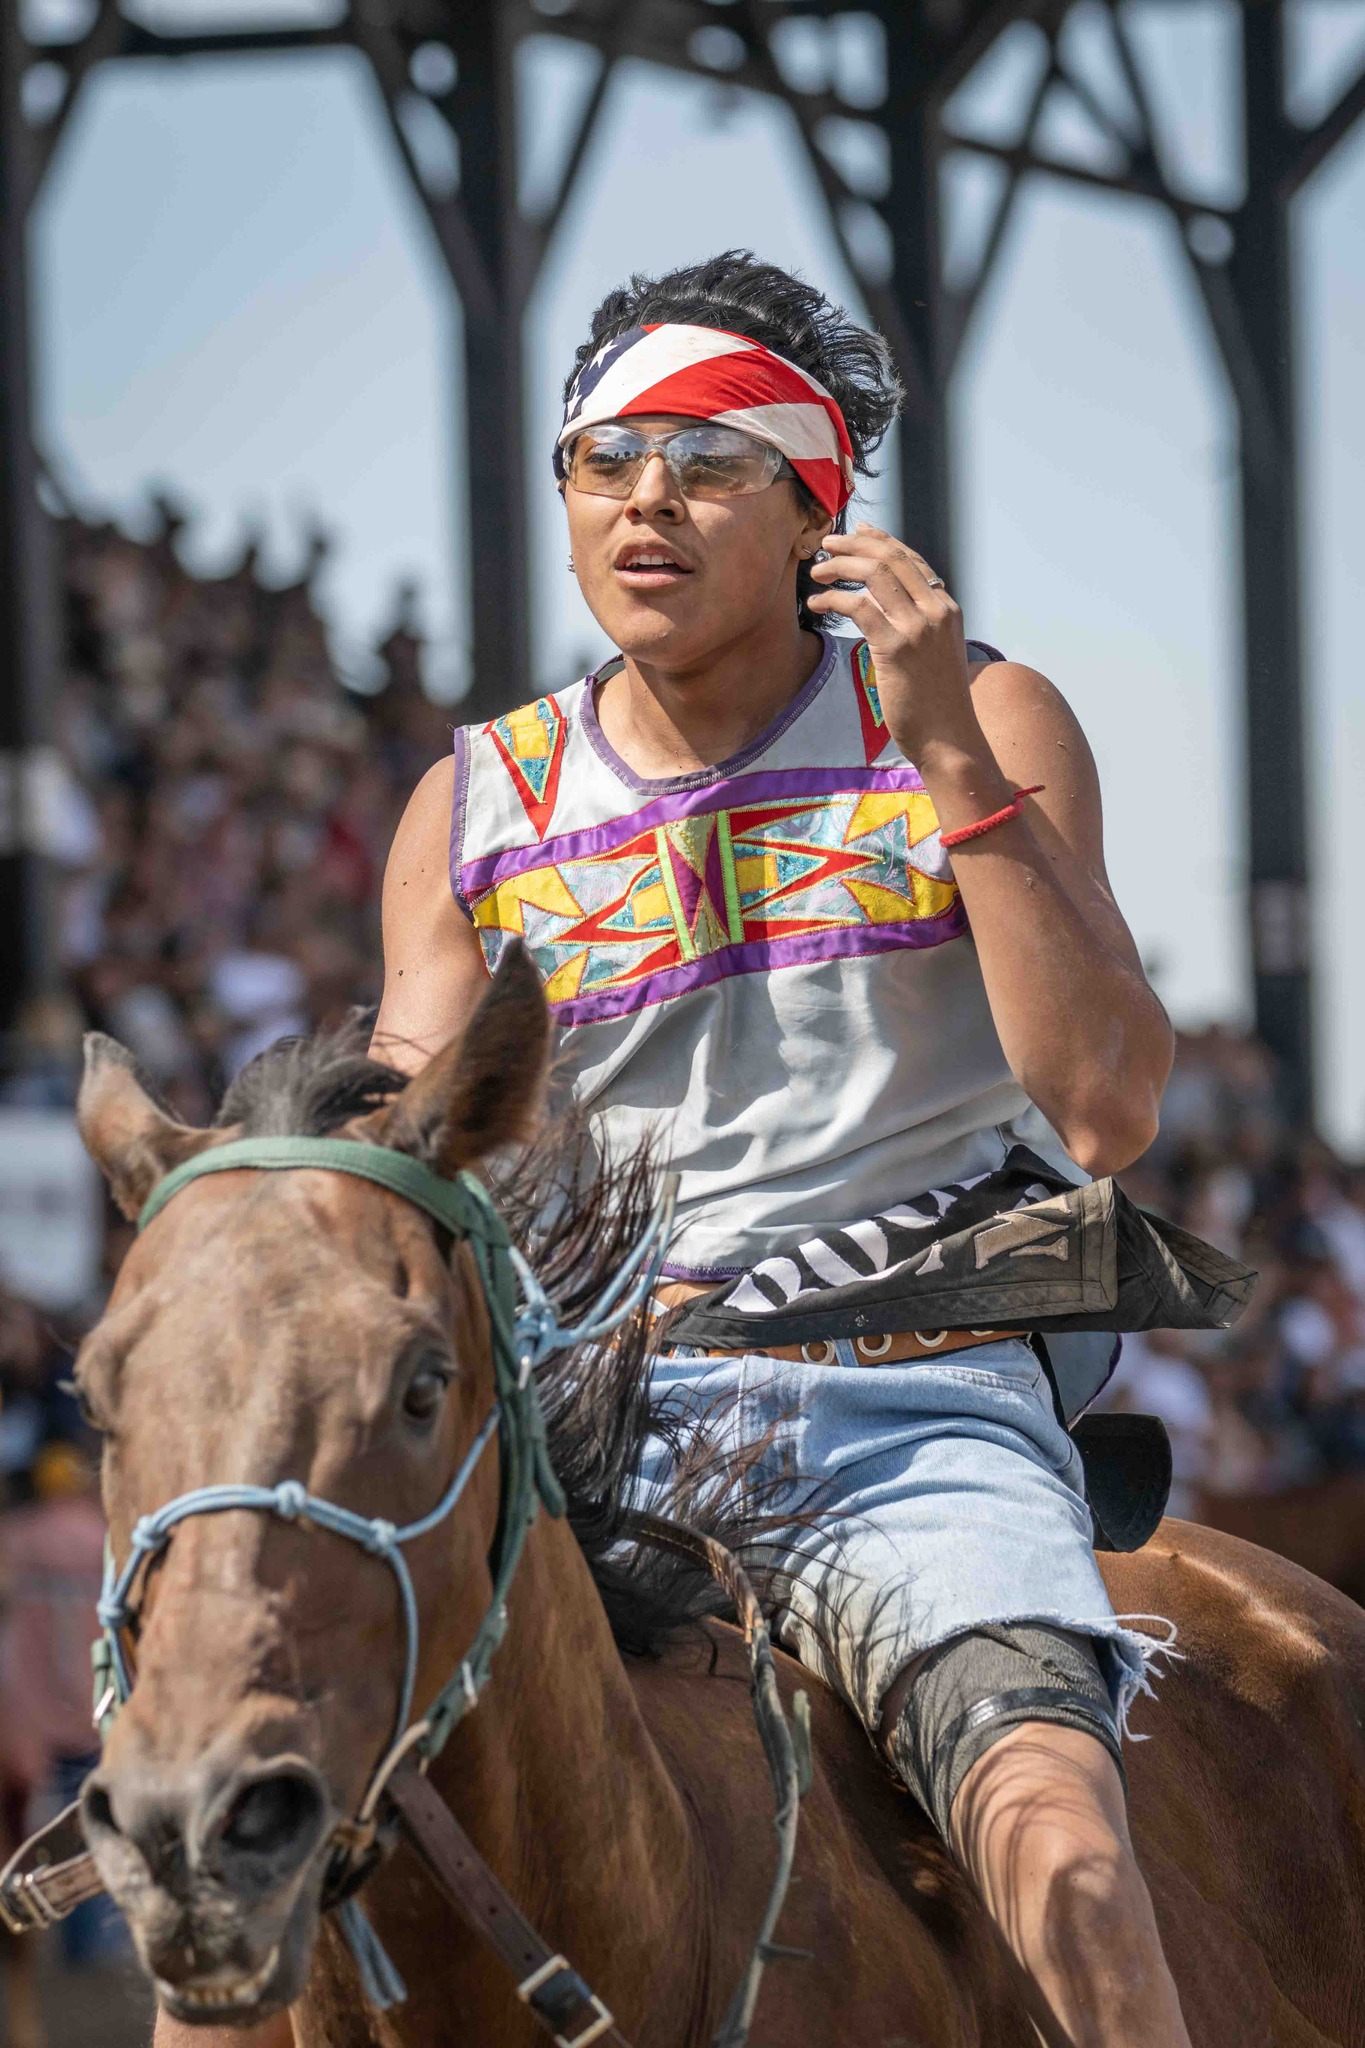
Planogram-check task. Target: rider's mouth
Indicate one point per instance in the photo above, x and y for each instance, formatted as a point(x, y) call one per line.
point(652, 571)
point(220, 1996)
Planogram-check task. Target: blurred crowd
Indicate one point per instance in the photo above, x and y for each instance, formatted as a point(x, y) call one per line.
point(219, 812)
point(1277, 1402)
point(219, 817)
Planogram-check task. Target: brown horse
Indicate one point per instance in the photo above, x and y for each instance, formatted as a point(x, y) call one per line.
point(1319, 1525)
point(311, 1326)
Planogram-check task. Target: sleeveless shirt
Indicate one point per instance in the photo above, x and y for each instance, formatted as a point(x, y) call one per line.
point(766, 963)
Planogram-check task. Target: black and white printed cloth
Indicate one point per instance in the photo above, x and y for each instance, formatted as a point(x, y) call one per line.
point(1017, 1248)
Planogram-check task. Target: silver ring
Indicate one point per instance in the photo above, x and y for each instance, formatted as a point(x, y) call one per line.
point(822, 1352)
point(873, 1347)
point(931, 1339)
point(937, 583)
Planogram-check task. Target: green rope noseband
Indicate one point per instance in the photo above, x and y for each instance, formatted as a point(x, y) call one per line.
point(461, 1204)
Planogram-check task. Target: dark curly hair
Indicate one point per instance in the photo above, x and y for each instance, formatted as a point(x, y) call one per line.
point(737, 291)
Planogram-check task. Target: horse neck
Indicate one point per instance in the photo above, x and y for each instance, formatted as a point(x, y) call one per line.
point(559, 1784)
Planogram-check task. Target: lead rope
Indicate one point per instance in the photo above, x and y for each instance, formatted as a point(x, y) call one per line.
point(786, 1745)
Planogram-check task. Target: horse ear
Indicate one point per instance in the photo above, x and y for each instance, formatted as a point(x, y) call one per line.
point(131, 1139)
point(483, 1090)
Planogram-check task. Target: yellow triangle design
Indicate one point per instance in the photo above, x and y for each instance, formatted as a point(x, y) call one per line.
point(546, 889)
point(564, 983)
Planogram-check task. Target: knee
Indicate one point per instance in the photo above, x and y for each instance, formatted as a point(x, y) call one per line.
point(1040, 1825)
point(1082, 1867)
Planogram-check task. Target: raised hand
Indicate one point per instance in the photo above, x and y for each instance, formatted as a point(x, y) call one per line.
point(913, 630)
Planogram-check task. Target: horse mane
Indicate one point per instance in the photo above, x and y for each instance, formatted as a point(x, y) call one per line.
point(575, 1209)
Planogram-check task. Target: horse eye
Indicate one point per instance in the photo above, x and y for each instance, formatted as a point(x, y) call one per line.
point(426, 1390)
point(87, 1412)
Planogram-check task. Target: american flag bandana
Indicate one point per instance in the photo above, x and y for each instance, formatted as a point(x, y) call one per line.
point(705, 373)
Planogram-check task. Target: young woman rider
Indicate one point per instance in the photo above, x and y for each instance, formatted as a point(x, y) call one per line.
point(726, 853)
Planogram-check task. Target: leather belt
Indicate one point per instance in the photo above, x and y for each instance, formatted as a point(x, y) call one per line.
point(883, 1350)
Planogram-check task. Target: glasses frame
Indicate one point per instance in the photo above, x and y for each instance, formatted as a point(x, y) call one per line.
point(658, 444)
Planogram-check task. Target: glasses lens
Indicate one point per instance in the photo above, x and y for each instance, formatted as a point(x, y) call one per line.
point(721, 462)
point(606, 461)
point(706, 461)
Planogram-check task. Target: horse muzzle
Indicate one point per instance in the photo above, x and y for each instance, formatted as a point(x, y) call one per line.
point(218, 1872)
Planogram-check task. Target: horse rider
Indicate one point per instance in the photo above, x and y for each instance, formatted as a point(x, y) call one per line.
point(830, 908)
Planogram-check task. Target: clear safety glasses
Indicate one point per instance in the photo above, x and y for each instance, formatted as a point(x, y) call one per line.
point(705, 461)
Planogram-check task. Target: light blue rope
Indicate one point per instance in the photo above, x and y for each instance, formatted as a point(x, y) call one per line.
point(379, 1979)
point(292, 1502)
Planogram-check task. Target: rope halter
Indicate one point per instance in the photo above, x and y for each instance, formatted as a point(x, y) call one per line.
point(525, 1328)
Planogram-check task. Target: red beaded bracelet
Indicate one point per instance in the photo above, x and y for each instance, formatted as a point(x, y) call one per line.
point(1000, 817)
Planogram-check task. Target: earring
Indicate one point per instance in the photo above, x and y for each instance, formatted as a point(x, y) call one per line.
point(571, 561)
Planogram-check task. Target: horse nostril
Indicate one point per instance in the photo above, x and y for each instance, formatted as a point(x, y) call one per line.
point(97, 1810)
point(272, 1814)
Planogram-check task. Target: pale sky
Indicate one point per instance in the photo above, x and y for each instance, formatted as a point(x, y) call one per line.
point(241, 300)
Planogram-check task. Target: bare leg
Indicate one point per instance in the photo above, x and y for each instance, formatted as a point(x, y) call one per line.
point(276, 2033)
point(1039, 1822)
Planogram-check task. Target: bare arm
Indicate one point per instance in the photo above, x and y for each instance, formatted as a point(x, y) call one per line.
point(433, 964)
point(1083, 1033)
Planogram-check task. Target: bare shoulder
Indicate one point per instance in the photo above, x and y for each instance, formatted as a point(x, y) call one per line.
point(1037, 738)
point(433, 964)
point(427, 811)
point(1012, 696)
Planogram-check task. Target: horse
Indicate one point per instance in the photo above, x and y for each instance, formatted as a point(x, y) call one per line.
point(314, 1329)
point(1319, 1524)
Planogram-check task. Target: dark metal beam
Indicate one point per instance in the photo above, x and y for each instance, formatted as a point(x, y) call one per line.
point(1309, 147)
point(1136, 182)
point(29, 611)
point(1261, 278)
point(913, 212)
point(483, 112)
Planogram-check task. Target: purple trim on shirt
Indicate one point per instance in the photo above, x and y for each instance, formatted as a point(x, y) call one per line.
point(458, 806)
point(754, 956)
point(702, 777)
point(776, 785)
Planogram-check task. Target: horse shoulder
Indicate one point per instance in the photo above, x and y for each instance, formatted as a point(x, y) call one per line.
point(904, 1951)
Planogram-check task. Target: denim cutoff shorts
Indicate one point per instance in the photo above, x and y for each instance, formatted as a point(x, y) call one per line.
point(935, 1496)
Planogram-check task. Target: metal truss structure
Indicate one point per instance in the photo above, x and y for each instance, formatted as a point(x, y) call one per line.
point(455, 61)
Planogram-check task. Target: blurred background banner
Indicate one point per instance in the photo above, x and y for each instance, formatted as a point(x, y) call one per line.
point(51, 1208)
point(291, 289)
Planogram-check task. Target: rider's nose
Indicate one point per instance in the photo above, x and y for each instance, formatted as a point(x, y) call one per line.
point(251, 1830)
point(654, 490)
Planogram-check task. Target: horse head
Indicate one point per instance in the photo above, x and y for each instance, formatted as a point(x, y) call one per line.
point(270, 1328)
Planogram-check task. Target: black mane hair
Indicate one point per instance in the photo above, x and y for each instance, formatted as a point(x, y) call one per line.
point(736, 290)
point(575, 1213)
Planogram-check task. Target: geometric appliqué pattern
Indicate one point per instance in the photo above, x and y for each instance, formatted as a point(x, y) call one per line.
point(870, 715)
point(681, 903)
point(530, 743)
